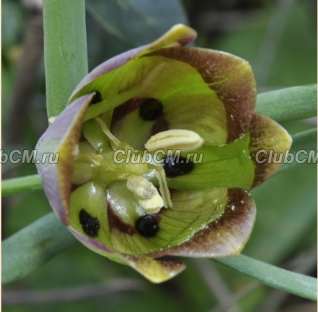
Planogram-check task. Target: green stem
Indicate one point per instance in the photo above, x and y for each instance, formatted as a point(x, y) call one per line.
point(20, 185)
point(295, 283)
point(65, 50)
point(288, 104)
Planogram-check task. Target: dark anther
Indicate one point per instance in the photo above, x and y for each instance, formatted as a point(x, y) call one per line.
point(90, 225)
point(177, 166)
point(147, 226)
point(151, 110)
point(96, 98)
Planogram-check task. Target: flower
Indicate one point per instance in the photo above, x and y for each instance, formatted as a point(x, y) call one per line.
point(118, 185)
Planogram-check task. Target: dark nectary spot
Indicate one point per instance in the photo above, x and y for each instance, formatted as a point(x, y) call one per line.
point(151, 109)
point(177, 166)
point(124, 109)
point(97, 98)
point(160, 125)
point(90, 225)
point(118, 224)
point(147, 226)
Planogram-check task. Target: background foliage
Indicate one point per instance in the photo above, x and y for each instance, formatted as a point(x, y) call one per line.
point(278, 38)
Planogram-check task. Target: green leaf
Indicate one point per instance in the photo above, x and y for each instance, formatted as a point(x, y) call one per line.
point(295, 283)
point(20, 185)
point(288, 104)
point(65, 50)
point(34, 246)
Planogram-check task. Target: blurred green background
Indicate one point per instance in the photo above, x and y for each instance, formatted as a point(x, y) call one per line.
point(279, 39)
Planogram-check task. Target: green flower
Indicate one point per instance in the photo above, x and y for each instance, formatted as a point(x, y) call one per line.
point(158, 148)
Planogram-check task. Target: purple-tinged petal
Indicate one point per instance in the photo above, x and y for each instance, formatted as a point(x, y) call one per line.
point(61, 138)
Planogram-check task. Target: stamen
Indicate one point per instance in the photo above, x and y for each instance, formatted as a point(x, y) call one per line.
point(147, 195)
point(114, 142)
point(175, 139)
point(163, 187)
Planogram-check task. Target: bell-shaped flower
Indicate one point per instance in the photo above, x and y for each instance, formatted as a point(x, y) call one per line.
point(158, 148)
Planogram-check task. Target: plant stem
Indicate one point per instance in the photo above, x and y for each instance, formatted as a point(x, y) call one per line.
point(65, 50)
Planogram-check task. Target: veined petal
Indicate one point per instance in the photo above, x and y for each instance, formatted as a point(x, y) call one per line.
point(209, 92)
point(155, 271)
point(223, 237)
point(229, 77)
point(191, 211)
point(178, 35)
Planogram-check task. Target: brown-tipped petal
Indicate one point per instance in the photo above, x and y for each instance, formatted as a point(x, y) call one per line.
point(229, 76)
point(61, 137)
point(155, 271)
point(224, 237)
point(269, 143)
point(178, 35)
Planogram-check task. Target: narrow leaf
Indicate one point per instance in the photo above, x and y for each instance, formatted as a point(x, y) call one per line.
point(20, 185)
point(303, 150)
point(34, 246)
point(65, 50)
point(295, 283)
point(288, 104)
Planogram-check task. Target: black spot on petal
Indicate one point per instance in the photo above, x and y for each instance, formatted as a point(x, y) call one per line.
point(90, 225)
point(151, 109)
point(177, 166)
point(147, 226)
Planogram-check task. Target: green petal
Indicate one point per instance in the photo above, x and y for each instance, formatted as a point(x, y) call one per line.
point(223, 237)
point(228, 166)
point(229, 77)
point(155, 271)
point(209, 92)
point(90, 197)
point(191, 211)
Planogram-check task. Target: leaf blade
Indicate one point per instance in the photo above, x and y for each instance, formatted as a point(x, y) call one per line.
point(295, 283)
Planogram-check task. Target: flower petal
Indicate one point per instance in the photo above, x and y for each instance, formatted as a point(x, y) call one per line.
point(206, 91)
point(228, 166)
point(230, 77)
point(191, 211)
point(178, 35)
point(155, 271)
point(267, 137)
point(61, 137)
point(223, 237)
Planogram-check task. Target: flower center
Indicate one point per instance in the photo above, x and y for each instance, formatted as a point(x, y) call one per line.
point(104, 167)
